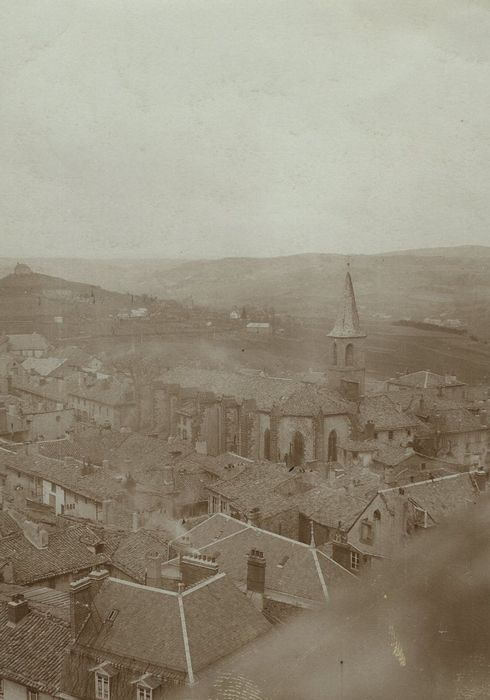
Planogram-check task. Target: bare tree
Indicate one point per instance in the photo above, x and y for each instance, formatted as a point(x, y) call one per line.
point(142, 369)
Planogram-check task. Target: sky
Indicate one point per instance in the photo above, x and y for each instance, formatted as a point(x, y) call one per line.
point(166, 128)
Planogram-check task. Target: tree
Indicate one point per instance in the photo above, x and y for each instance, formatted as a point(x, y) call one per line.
point(142, 370)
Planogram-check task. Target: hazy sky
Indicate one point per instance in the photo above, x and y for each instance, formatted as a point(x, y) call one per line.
point(243, 127)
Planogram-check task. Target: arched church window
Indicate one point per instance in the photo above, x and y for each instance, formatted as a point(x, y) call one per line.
point(332, 446)
point(267, 443)
point(377, 515)
point(349, 355)
point(334, 353)
point(297, 449)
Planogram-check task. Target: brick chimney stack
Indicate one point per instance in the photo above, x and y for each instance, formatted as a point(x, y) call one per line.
point(17, 609)
point(153, 574)
point(80, 601)
point(369, 430)
point(197, 567)
point(256, 571)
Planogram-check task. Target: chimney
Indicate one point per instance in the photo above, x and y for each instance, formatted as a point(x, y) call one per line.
point(153, 571)
point(135, 522)
point(80, 602)
point(197, 567)
point(256, 572)
point(369, 430)
point(254, 517)
point(17, 609)
point(31, 448)
point(98, 576)
point(481, 479)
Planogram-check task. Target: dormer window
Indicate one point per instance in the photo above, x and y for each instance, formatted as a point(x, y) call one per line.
point(102, 686)
point(32, 695)
point(102, 676)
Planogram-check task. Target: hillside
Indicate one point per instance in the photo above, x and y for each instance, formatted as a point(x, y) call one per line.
point(55, 306)
point(437, 282)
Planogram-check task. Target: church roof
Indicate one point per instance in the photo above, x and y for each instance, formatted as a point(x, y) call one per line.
point(347, 324)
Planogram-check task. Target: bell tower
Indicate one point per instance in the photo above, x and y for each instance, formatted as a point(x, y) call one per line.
point(346, 348)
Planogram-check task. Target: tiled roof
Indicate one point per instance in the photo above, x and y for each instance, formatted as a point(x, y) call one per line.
point(266, 390)
point(97, 485)
point(32, 652)
point(8, 526)
point(331, 506)
point(254, 488)
point(47, 600)
point(309, 399)
point(347, 322)
point(440, 496)
point(154, 625)
point(108, 392)
point(457, 421)
point(425, 379)
point(93, 443)
point(44, 366)
point(384, 413)
point(65, 553)
point(27, 341)
point(291, 566)
point(391, 455)
point(130, 555)
point(75, 356)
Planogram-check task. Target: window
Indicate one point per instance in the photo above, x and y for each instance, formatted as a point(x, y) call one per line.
point(377, 515)
point(349, 355)
point(366, 531)
point(32, 695)
point(53, 488)
point(144, 693)
point(332, 447)
point(334, 353)
point(102, 687)
point(390, 435)
point(1, 688)
point(354, 561)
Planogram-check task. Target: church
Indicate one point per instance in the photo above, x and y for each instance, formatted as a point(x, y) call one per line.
point(277, 419)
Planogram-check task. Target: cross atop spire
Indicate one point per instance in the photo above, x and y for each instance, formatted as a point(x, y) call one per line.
point(347, 324)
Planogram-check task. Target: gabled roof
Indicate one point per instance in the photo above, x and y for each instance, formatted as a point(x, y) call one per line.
point(331, 506)
point(134, 547)
point(27, 341)
point(43, 366)
point(96, 485)
point(292, 570)
point(309, 399)
point(65, 553)
point(347, 323)
point(384, 413)
point(110, 392)
point(425, 379)
point(176, 631)
point(440, 496)
point(32, 652)
point(265, 390)
point(253, 487)
point(8, 525)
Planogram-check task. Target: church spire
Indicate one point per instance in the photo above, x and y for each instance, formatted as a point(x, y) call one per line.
point(347, 324)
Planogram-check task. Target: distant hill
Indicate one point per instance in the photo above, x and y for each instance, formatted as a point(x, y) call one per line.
point(436, 282)
point(55, 306)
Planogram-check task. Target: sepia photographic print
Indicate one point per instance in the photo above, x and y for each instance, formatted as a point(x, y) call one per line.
point(245, 350)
